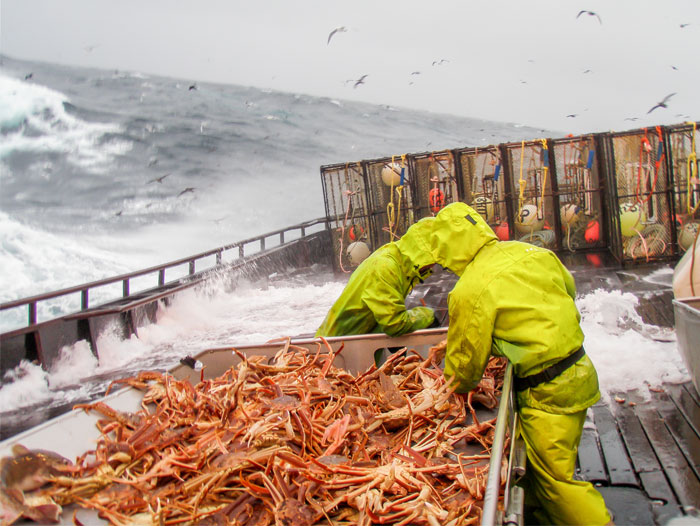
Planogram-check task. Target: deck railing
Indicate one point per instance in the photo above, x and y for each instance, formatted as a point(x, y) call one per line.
point(31, 302)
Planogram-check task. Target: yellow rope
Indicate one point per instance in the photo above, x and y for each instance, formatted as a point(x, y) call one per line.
point(691, 165)
point(540, 207)
point(522, 182)
point(394, 212)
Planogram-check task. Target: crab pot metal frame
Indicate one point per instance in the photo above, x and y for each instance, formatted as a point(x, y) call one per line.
point(534, 198)
point(346, 198)
point(640, 226)
point(434, 182)
point(576, 168)
point(568, 184)
point(682, 144)
point(484, 186)
point(390, 197)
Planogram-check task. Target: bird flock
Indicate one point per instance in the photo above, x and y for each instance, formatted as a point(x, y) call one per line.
point(581, 15)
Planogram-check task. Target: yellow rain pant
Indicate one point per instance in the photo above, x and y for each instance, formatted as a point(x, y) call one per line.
point(552, 443)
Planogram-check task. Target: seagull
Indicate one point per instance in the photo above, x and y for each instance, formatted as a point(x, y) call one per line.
point(88, 49)
point(683, 25)
point(587, 71)
point(192, 86)
point(158, 179)
point(341, 29)
point(590, 13)
point(674, 68)
point(661, 104)
point(28, 76)
point(439, 62)
point(572, 115)
point(415, 72)
point(631, 118)
point(188, 189)
point(359, 81)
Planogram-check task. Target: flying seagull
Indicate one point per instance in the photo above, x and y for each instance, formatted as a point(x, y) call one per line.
point(589, 13)
point(683, 25)
point(188, 189)
point(192, 87)
point(359, 81)
point(158, 179)
point(572, 115)
point(631, 118)
point(341, 29)
point(439, 62)
point(661, 104)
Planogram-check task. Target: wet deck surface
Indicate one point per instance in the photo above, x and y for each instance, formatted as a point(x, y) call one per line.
point(643, 454)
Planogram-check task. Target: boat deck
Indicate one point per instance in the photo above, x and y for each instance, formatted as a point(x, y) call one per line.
point(643, 454)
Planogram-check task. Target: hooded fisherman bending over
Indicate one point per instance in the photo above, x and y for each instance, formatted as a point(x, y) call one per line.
point(374, 300)
point(516, 300)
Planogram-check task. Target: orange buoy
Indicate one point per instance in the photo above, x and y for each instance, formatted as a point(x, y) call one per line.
point(502, 231)
point(355, 232)
point(436, 198)
point(592, 234)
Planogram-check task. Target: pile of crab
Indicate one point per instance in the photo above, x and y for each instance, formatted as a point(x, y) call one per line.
point(291, 441)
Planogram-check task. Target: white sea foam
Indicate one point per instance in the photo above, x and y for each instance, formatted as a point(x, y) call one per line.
point(25, 105)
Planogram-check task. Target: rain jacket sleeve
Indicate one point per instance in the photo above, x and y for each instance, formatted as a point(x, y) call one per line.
point(386, 301)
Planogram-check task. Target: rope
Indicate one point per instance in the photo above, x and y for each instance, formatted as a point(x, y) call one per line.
point(522, 182)
point(392, 211)
point(545, 169)
point(692, 163)
point(657, 164)
point(692, 261)
point(349, 194)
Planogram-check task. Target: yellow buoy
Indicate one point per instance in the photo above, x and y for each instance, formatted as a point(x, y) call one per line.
point(527, 221)
point(484, 206)
point(357, 252)
point(391, 174)
point(632, 218)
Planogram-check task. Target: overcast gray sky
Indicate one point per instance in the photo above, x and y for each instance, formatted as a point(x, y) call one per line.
point(531, 62)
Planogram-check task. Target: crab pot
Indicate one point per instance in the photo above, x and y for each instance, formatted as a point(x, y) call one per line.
point(534, 201)
point(579, 188)
point(683, 143)
point(390, 197)
point(484, 187)
point(434, 181)
point(347, 211)
point(639, 198)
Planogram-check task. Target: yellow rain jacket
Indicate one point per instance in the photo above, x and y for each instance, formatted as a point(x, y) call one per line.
point(374, 300)
point(517, 300)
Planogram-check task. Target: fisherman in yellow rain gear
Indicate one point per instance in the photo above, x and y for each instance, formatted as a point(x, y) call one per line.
point(517, 300)
point(374, 300)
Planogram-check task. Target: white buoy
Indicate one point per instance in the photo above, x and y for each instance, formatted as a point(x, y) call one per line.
point(391, 174)
point(357, 252)
point(569, 214)
point(527, 221)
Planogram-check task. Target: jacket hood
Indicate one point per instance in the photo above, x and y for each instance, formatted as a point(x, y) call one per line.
point(459, 232)
point(415, 246)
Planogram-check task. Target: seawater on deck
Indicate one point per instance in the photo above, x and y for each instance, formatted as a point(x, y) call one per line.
point(643, 453)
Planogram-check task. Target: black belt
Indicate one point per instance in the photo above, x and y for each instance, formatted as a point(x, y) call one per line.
point(550, 373)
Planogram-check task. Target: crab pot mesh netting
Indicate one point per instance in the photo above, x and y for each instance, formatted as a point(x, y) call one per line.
point(643, 206)
point(685, 184)
point(579, 191)
point(484, 187)
point(391, 202)
point(435, 182)
point(348, 213)
point(535, 210)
